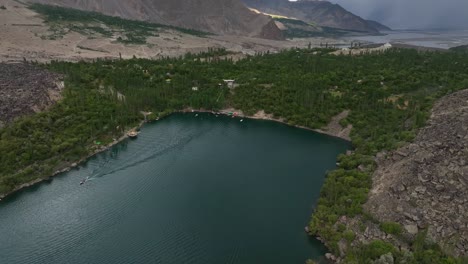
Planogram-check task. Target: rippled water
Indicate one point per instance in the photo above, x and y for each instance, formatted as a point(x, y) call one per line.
point(188, 190)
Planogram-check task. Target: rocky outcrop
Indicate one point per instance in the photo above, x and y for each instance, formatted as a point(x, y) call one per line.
point(217, 16)
point(26, 89)
point(424, 185)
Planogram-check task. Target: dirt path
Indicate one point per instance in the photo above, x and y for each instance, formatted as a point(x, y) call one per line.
point(335, 129)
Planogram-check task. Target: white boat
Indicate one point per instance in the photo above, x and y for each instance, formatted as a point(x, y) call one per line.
point(132, 134)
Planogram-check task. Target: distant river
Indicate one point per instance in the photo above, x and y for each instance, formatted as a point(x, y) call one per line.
point(443, 39)
point(189, 190)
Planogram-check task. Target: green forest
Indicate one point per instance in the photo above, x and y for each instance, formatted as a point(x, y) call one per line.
point(389, 95)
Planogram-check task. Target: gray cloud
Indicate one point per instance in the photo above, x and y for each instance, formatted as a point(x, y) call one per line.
point(412, 13)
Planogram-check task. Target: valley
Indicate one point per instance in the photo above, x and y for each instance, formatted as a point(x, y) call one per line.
point(27, 35)
point(73, 82)
point(309, 96)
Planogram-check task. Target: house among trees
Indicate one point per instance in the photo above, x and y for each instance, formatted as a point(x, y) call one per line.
point(230, 83)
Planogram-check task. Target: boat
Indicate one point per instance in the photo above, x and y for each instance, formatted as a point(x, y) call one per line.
point(132, 134)
point(242, 120)
point(83, 182)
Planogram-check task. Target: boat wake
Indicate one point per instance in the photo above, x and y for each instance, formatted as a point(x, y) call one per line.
point(145, 152)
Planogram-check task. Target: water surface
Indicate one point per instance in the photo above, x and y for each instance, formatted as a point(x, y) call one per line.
point(443, 39)
point(197, 190)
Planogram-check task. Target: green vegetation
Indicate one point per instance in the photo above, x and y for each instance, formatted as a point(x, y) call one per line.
point(62, 20)
point(49, 141)
point(391, 228)
point(462, 48)
point(389, 96)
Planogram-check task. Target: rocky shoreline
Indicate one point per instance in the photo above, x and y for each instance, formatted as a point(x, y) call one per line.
point(423, 186)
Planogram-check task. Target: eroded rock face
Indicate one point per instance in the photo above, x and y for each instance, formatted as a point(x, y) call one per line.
point(424, 185)
point(26, 89)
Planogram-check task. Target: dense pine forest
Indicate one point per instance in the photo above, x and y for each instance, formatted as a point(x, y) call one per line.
point(389, 95)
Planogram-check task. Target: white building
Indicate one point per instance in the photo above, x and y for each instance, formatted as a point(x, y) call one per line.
point(230, 83)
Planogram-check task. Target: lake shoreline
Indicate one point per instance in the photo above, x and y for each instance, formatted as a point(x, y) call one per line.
point(226, 112)
point(173, 168)
point(260, 115)
point(70, 165)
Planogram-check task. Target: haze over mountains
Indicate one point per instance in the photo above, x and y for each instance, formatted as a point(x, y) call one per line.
point(412, 14)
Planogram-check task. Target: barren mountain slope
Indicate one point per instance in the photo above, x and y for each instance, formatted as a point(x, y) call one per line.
point(25, 89)
point(424, 185)
point(322, 13)
point(378, 26)
point(26, 34)
point(217, 16)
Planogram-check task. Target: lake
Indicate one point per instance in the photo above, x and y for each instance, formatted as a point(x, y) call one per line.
point(190, 189)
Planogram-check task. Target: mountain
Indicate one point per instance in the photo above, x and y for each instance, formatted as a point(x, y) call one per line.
point(216, 16)
point(378, 26)
point(321, 13)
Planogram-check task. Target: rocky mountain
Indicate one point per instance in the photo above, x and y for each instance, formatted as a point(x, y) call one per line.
point(216, 16)
point(378, 26)
point(26, 89)
point(424, 185)
point(321, 13)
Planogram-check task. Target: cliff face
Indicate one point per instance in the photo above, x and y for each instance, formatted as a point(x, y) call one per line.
point(425, 185)
point(322, 13)
point(216, 16)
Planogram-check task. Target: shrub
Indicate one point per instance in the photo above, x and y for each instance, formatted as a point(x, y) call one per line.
point(391, 228)
point(349, 236)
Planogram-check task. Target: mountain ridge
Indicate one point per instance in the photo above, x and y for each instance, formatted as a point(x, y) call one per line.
point(220, 17)
point(322, 13)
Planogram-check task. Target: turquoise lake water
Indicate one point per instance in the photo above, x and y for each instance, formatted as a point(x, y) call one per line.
point(188, 190)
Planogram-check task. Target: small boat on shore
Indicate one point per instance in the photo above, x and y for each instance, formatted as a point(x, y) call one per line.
point(132, 134)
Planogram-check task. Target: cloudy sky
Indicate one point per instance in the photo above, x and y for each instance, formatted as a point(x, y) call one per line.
point(404, 14)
